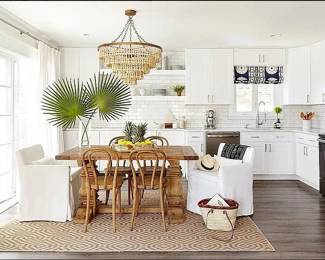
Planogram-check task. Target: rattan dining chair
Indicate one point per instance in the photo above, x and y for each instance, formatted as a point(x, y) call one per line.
point(122, 170)
point(153, 180)
point(159, 140)
point(106, 182)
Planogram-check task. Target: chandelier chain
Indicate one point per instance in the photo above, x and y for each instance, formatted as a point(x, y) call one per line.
point(126, 26)
point(136, 32)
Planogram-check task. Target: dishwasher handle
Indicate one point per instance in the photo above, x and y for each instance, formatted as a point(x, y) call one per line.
point(221, 136)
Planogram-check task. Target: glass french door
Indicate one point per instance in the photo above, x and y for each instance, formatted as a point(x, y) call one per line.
point(7, 176)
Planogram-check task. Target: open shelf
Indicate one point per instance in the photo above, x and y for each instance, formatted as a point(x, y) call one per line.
point(167, 72)
point(159, 98)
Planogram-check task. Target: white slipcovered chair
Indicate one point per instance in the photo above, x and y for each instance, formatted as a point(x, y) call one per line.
point(49, 189)
point(231, 181)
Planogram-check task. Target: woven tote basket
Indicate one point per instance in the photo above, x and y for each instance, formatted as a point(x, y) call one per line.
point(219, 217)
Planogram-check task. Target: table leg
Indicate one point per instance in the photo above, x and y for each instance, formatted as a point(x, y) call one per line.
point(80, 215)
point(175, 197)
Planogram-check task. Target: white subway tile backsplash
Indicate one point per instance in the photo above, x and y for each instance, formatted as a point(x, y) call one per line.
point(155, 111)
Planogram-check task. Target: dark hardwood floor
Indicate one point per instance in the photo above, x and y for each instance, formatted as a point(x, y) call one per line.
point(290, 214)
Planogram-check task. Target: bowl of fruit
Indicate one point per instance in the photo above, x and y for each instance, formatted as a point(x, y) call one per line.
point(134, 138)
point(126, 146)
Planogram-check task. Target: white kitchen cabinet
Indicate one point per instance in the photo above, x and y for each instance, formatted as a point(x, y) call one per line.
point(70, 139)
point(297, 85)
point(307, 159)
point(273, 152)
point(260, 57)
point(209, 76)
point(317, 73)
point(259, 160)
point(196, 139)
point(175, 137)
point(79, 63)
point(279, 158)
point(107, 135)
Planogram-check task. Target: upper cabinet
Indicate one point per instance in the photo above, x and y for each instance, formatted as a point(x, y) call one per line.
point(297, 83)
point(209, 76)
point(317, 73)
point(260, 57)
point(79, 63)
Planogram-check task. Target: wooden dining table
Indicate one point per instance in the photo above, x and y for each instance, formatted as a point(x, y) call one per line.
point(175, 196)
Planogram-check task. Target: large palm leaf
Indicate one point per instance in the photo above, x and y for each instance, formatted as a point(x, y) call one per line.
point(110, 95)
point(65, 102)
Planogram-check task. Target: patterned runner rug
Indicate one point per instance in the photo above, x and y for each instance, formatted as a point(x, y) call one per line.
point(148, 235)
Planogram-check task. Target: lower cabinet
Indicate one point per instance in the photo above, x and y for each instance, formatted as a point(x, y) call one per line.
point(279, 158)
point(174, 137)
point(71, 138)
point(307, 162)
point(274, 153)
point(196, 139)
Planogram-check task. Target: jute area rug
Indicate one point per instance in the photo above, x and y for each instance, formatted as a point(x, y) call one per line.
point(148, 235)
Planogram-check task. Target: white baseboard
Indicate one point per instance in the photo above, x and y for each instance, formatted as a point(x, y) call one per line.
point(276, 177)
point(313, 185)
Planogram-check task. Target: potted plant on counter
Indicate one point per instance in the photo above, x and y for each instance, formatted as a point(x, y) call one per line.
point(178, 89)
point(278, 111)
point(306, 119)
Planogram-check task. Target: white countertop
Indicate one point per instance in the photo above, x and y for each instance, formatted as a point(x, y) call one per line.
point(314, 131)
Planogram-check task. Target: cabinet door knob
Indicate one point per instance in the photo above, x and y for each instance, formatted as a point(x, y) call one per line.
point(270, 148)
point(307, 98)
point(323, 97)
point(265, 148)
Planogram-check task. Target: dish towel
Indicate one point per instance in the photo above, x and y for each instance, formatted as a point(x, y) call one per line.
point(234, 151)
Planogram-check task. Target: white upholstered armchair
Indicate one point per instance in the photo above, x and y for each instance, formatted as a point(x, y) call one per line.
point(231, 181)
point(49, 189)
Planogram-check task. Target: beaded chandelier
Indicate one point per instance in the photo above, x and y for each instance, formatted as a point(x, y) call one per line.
point(130, 58)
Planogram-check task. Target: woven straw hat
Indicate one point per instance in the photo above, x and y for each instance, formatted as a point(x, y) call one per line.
point(208, 163)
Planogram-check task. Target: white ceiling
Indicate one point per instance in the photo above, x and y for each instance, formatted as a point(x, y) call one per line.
point(177, 25)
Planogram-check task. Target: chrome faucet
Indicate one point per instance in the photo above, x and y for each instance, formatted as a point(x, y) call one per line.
point(258, 122)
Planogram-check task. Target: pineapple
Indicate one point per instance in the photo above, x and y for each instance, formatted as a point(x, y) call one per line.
point(139, 133)
point(128, 131)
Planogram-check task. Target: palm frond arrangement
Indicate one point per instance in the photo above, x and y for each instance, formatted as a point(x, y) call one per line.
point(109, 95)
point(66, 101)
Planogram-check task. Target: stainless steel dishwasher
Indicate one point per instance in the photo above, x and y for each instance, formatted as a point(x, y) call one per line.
point(214, 139)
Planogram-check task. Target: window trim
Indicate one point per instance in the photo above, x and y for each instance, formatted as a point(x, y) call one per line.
point(11, 85)
point(233, 114)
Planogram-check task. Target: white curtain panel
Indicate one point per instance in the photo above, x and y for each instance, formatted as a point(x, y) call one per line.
point(49, 70)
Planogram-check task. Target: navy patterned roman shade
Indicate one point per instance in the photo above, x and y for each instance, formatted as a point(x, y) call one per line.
point(258, 74)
